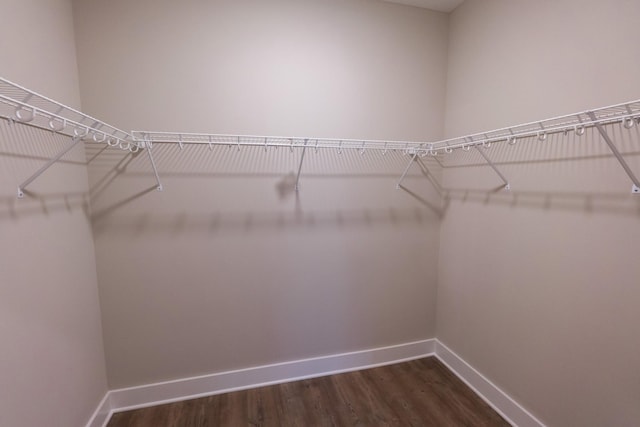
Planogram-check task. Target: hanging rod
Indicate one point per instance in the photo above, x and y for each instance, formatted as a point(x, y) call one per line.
point(361, 145)
point(21, 105)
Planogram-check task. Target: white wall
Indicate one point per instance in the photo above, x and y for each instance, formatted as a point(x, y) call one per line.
point(228, 268)
point(538, 289)
point(52, 369)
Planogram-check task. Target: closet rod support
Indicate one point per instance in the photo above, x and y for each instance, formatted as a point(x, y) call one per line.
point(507, 186)
point(21, 187)
point(635, 189)
point(304, 150)
point(153, 166)
point(406, 170)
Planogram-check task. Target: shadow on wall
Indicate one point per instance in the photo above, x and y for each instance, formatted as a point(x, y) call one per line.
point(230, 222)
point(231, 190)
point(600, 203)
point(13, 208)
point(566, 172)
point(25, 150)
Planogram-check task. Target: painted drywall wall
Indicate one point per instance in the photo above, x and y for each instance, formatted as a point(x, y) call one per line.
point(52, 369)
point(229, 267)
point(538, 288)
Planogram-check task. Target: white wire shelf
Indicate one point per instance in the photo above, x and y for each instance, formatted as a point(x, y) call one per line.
point(628, 114)
point(182, 138)
point(21, 105)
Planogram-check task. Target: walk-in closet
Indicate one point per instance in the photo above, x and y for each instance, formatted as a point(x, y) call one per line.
point(314, 213)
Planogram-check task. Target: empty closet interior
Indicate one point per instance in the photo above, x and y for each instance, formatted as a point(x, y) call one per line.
point(202, 196)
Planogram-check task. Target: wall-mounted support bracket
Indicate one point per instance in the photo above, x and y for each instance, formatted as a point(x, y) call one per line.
point(406, 170)
point(153, 166)
point(46, 166)
point(635, 189)
point(304, 150)
point(507, 186)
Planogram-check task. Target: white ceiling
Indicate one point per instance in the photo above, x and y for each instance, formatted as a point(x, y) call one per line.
point(439, 5)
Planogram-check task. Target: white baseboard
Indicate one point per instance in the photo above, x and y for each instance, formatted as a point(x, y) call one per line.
point(189, 388)
point(508, 408)
point(103, 412)
point(241, 379)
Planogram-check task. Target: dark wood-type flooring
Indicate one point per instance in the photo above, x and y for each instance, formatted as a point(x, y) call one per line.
point(417, 393)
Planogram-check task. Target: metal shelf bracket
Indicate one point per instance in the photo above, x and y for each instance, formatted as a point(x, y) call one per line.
point(304, 150)
point(507, 186)
point(21, 187)
point(153, 166)
point(406, 170)
point(635, 189)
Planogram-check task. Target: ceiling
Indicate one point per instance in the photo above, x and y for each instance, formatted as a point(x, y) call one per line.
point(439, 5)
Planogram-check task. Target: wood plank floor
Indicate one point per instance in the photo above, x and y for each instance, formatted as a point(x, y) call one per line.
point(417, 393)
